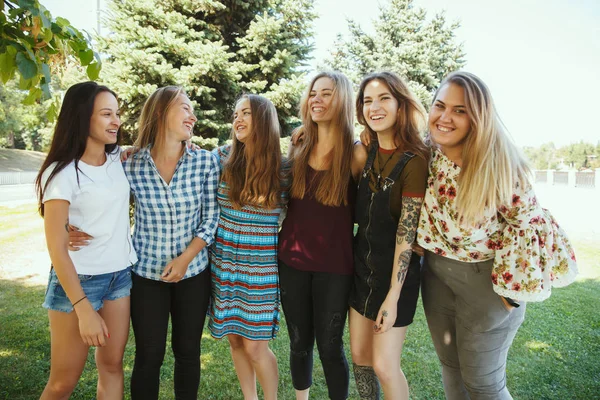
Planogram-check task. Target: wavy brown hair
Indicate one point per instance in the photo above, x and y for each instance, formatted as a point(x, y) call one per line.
point(410, 118)
point(252, 169)
point(153, 119)
point(333, 187)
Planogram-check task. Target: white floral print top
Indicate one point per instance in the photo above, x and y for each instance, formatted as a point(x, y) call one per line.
point(531, 252)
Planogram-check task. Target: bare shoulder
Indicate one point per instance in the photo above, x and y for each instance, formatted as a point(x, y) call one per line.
point(359, 159)
point(359, 156)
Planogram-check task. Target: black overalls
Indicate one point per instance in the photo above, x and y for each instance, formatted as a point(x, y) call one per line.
point(374, 247)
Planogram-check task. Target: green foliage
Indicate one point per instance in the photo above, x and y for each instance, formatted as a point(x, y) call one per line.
point(30, 127)
point(405, 42)
point(31, 42)
point(205, 143)
point(19, 125)
point(215, 50)
point(575, 155)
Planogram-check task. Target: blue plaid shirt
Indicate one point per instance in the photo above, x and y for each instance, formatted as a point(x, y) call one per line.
point(169, 216)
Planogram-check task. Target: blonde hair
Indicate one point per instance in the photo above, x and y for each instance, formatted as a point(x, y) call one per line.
point(492, 164)
point(254, 178)
point(333, 187)
point(153, 119)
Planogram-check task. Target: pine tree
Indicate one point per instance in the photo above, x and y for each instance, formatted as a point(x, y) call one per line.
point(405, 42)
point(214, 49)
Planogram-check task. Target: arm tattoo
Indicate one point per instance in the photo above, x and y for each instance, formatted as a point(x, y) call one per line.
point(403, 262)
point(67, 225)
point(409, 220)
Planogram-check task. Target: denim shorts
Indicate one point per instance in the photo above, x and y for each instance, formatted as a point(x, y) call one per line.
point(97, 288)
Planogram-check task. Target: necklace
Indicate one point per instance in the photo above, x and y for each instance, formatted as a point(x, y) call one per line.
point(381, 168)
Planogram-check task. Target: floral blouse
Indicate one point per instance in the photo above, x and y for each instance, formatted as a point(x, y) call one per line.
point(531, 252)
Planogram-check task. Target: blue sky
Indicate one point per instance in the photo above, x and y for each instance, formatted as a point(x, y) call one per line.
point(540, 58)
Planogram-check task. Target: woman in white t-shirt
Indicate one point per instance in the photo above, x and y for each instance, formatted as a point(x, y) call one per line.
point(82, 182)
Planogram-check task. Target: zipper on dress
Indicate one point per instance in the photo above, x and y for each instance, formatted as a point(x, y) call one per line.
point(367, 259)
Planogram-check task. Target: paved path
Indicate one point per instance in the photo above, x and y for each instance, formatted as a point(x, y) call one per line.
point(14, 195)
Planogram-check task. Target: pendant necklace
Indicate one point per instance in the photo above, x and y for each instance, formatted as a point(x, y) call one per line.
point(381, 168)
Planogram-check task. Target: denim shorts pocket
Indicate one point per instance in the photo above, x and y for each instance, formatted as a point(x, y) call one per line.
point(84, 278)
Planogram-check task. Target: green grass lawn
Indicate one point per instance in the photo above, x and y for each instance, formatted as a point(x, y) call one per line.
point(556, 354)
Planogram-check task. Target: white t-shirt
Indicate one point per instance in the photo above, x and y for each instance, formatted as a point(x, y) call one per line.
point(99, 206)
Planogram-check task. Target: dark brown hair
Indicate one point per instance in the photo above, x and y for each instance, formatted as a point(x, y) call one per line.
point(410, 118)
point(71, 133)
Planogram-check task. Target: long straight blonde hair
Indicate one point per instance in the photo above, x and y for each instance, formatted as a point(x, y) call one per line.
point(492, 164)
point(254, 177)
point(153, 119)
point(333, 187)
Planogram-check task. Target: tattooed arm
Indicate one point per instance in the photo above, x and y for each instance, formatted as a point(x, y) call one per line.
point(405, 236)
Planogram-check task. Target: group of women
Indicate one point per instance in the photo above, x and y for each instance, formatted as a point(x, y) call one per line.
point(207, 237)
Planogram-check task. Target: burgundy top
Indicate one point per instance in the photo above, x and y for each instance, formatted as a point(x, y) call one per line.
point(316, 237)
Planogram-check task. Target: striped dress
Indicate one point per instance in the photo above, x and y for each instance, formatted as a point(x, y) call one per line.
point(245, 281)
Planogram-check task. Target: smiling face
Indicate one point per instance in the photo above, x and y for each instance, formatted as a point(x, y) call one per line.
point(380, 108)
point(449, 123)
point(242, 120)
point(320, 100)
point(105, 120)
point(181, 119)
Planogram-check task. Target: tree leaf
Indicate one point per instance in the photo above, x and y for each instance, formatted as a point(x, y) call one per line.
point(93, 71)
point(52, 112)
point(34, 94)
point(27, 67)
point(45, 90)
point(86, 57)
point(7, 64)
point(62, 22)
point(46, 72)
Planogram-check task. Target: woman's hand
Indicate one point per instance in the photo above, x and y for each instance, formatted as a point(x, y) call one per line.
point(192, 146)
point(175, 270)
point(297, 137)
point(127, 151)
point(386, 317)
point(417, 249)
point(92, 328)
point(365, 137)
point(77, 238)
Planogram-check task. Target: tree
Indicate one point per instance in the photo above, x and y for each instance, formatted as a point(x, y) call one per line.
point(214, 49)
point(32, 43)
point(19, 125)
point(420, 51)
point(543, 157)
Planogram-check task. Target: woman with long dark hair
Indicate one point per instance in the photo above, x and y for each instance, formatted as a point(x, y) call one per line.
point(245, 282)
point(82, 182)
point(390, 194)
point(315, 242)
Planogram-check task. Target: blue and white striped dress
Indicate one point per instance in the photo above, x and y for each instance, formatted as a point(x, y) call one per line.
point(245, 282)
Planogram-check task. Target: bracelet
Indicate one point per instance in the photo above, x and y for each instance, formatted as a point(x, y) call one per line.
point(77, 302)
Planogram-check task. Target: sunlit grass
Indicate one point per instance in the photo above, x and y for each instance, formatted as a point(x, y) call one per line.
point(555, 354)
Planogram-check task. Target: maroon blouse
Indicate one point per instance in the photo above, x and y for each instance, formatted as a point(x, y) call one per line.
point(316, 237)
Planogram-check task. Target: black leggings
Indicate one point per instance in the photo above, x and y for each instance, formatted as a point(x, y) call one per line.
point(151, 303)
point(315, 304)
